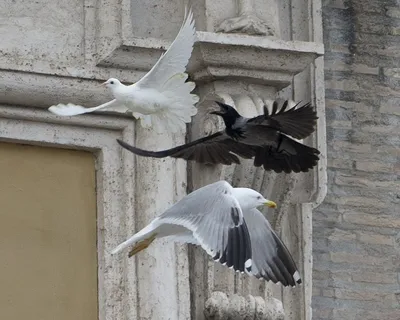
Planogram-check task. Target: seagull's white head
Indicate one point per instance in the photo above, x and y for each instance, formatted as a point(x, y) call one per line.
point(250, 199)
point(112, 83)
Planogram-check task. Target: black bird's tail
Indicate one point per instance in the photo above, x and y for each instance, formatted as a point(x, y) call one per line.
point(287, 156)
point(143, 153)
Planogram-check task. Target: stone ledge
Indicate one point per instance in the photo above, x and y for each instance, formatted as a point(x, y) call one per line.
point(216, 56)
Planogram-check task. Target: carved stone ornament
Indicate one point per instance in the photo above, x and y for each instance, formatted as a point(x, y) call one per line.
point(221, 306)
point(248, 22)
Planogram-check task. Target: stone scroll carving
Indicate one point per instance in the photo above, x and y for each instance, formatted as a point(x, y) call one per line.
point(221, 306)
point(249, 22)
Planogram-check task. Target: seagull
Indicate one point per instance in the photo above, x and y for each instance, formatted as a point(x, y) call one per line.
point(224, 221)
point(266, 138)
point(162, 99)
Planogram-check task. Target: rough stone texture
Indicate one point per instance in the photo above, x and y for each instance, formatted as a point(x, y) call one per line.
point(89, 41)
point(357, 228)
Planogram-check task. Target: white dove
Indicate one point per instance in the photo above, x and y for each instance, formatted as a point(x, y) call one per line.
point(161, 99)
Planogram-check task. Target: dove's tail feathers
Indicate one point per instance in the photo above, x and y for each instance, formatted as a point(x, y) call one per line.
point(70, 109)
point(181, 107)
point(143, 234)
point(168, 121)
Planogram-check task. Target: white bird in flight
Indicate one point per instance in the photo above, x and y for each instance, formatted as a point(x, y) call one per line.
point(161, 99)
point(224, 221)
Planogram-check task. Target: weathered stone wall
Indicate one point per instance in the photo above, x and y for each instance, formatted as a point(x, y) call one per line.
point(357, 228)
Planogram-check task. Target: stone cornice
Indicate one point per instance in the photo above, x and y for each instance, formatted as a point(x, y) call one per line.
point(216, 56)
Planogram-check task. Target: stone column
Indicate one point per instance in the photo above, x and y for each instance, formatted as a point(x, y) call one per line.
point(248, 72)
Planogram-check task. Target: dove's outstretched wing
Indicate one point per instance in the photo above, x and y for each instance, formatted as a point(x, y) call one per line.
point(71, 109)
point(175, 59)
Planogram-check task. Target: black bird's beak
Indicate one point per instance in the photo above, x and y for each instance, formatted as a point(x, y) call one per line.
point(223, 110)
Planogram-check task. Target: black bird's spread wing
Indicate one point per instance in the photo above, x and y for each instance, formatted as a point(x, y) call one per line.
point(286, 155)
point(214, 149)
point(298, 123)
point(264, 138)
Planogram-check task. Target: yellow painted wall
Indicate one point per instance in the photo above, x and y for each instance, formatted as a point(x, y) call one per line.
point(48, 256)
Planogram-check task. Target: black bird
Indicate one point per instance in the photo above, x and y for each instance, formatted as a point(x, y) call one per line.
point(264, 138)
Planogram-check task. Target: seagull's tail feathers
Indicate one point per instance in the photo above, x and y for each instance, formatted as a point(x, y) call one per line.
point(288, 156)
point(143, 234)
point(181, 107)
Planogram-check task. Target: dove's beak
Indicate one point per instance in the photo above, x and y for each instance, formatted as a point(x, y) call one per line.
point(103, 84)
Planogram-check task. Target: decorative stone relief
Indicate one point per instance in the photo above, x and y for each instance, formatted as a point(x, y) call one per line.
point(249, 22)
point(221, 306)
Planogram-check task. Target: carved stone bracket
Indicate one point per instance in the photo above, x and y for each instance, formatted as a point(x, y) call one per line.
point(221, 306)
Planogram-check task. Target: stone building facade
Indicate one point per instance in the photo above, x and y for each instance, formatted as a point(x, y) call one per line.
point(249, 52)
point(356, 231)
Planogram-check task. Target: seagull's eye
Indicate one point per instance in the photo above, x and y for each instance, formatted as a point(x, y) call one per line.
point(112, 82)
point(259, 198)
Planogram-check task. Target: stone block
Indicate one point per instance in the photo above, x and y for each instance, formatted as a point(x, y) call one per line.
point(375, 277)
point(341, 235)
point(345, 85)
point(346, 257)
point(361, 218)
point(374, 238)
point(374, 166)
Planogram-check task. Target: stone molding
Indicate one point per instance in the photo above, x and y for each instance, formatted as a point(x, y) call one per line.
point(115, 190)
point(221, 306)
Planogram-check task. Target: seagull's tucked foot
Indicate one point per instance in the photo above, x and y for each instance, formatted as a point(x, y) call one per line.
point(141, 245)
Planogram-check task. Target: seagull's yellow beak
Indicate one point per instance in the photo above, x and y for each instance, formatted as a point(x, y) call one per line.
point(270, 204)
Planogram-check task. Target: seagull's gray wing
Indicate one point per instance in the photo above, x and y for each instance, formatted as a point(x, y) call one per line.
point(214, 149)
point(271, 259)
point(298, 122)
point(215, 218)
